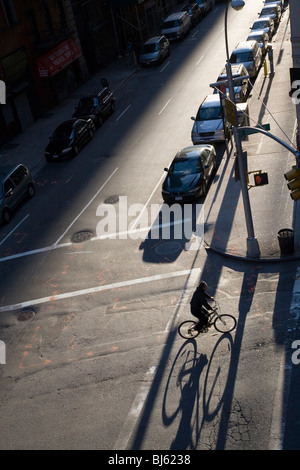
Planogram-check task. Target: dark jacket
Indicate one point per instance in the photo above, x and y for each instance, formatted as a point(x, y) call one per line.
point(199, 300)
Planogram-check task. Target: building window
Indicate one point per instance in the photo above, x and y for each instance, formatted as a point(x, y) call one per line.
point(9, 11)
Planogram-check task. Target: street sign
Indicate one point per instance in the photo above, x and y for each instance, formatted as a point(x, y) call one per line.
point(254, 130)
point(230, 112)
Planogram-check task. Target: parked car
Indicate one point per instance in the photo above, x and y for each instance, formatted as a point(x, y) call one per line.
point(189, 174)
point(209, 123)
point(96, 105)
point(16, 183)
point(262, 38)
point(176, 26)
point(154, 51)
point(278, 2)
point(272, 11)
point(240, 82)
point(249, 54)
point(69, 138)
point(194, 11)
point(265, 24)
point(205, 6)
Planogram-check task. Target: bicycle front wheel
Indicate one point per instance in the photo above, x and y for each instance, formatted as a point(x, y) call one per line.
point(187, 329)
point(225, 323)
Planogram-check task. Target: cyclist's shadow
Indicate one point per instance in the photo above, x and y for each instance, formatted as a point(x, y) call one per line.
point(188, 379)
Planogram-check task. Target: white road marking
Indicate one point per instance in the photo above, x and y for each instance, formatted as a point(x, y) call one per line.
point(93, 290)
point(119, 117)
point(161, 70)
point(8, 235)
point(141, 397)
point(162, 109)
point(86, 206)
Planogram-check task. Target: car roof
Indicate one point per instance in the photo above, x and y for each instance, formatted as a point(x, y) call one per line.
point(257, 32)
point(212, 99)
point(262, 18)
point(153, 40)
point(245, 45)
point(192, 150)
point(235, 69)
point(174, 16)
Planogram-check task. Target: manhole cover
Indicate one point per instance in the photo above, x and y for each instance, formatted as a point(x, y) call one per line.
point(25, 316)
point(168, 248)
point(82, 236)
point(111, 200)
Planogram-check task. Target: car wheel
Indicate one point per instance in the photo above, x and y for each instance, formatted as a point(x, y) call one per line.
point(30, 191)
point(6, 216)
point(100, 121)
point(91, 134)
point(76, 151)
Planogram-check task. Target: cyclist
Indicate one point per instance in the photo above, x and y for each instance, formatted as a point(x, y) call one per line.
point(200, 307)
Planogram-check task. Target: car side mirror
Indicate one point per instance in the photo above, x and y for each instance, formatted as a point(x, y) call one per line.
point(166, 169)
point(193, 118)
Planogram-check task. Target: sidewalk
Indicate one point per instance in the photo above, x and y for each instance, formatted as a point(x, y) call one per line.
point(271, 205)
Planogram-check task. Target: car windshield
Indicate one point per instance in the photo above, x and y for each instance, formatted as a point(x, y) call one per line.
point(171, 24)
point(148, 48)
point(64, 131)
point(185, 166)
point(268, 11)
point(87, 103)
point(261, 24)
point(257, 37)
point(241, 57)
point(210, 113)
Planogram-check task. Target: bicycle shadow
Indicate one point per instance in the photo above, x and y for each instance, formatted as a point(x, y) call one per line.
point(188, 369)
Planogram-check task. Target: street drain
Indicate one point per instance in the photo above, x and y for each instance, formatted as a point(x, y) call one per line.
point(82, 236)
point(167, 248)
point(111, 200)
point(25, 316)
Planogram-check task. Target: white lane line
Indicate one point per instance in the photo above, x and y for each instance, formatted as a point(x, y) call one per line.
point(56, 244)
point(161, 70)
point(8, 235)
point(86, 206)
point(125, 110)
point(93, 290)
point(142, 395)
point(134, 224)
point(162, 109)
point(198, 61)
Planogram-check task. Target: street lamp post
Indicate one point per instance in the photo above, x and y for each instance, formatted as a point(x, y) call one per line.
point(253, 250)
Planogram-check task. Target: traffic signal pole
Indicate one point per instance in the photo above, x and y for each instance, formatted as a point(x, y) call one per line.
point(253, 250)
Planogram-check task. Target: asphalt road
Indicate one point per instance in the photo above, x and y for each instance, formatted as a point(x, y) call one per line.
point(97, 362)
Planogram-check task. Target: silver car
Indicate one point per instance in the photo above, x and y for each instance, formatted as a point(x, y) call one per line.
point(262, 38)
point(155, 50)
point(16, 183)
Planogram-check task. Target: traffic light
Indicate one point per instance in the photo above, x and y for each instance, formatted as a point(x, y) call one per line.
point(293, 178)
point(260, 179)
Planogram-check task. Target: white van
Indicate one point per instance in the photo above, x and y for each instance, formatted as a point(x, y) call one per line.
point(249, 54)
point(177, 26)
point(209, 122)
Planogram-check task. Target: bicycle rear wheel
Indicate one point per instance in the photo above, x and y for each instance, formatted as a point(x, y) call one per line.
point(225, 323)
point(187, 329)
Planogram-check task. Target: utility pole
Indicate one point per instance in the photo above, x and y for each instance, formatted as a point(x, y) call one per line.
point(294, 6)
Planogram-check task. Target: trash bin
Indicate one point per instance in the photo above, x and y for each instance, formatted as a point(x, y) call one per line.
point(286, 241)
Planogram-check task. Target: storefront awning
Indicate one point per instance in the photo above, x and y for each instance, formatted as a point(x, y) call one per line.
point(58, 58)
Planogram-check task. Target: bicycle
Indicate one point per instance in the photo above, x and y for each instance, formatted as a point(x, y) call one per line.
point(223, 323)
